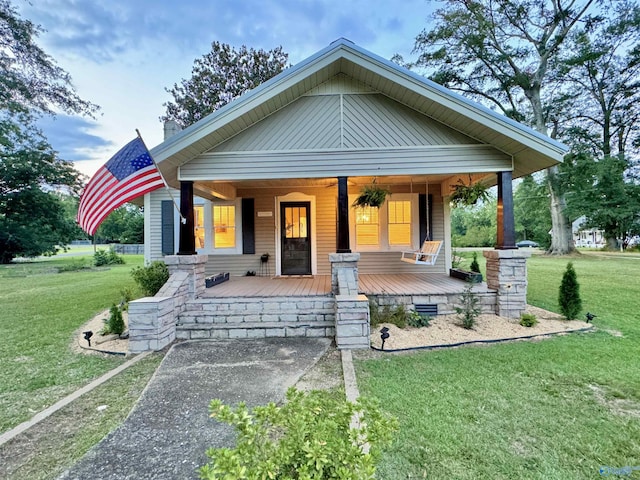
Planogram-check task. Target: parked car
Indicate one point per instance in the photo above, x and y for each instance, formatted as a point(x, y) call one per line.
point(527, 243)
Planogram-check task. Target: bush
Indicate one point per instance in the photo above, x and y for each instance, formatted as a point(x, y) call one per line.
point(528, 320)
point(73, 265)
point(416, 320)
point(115, 322)
point(151, 278)
point(569, 295)
point(475, 267)
point(307, 437)
point(469, 311)
point(107, 257)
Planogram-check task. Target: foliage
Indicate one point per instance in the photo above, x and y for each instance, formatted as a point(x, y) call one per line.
point(309, 437)
point(456, 259)
point(469, 310)
point(474, 263)
point(107, 257)
point(30, 78)
point(468, 195)
point(528, 320)
point(115, 322)
point(32, 221)
point(151, 278)
point(474, 226)
point(220, 76)
point(508, 54)
point(569, 294)
point(531, 211)
point(417, 320)
point(371, 196)
point(123, 225)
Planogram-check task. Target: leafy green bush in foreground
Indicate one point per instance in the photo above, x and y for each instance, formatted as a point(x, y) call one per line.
point(309, 437)
point(151, 278)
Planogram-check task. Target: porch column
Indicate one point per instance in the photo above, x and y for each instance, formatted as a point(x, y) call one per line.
point(506, 238)
point(343, 217)
point(187, 228)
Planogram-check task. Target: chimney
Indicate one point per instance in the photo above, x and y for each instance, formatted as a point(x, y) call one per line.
point(171, 128)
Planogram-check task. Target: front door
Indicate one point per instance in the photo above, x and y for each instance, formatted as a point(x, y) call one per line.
point(295, 236)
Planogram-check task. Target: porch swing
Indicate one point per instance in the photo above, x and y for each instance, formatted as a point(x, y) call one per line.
point(428, 253)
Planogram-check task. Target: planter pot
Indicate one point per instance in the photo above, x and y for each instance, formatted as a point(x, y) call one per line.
point(216, 279)
point(465, 275)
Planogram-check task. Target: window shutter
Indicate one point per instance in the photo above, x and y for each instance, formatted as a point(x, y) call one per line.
point(248, 226)
point(422, 212)
point(167, 228)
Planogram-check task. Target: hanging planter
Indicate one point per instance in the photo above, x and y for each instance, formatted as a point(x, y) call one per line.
point(468, 195)
point(371, 196)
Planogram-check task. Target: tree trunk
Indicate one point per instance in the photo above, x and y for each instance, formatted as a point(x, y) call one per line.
point(561, 233)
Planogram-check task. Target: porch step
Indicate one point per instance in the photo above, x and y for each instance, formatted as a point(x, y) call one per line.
point(256, 317)
point(255, 330)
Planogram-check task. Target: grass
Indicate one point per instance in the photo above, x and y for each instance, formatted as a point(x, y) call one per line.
point(554, 409)
point(41, 309)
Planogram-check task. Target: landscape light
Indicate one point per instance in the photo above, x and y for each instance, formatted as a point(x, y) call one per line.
point(384, 334)
point(87, 336)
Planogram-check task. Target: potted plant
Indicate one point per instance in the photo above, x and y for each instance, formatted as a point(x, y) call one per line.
point(473, 275)
point(371, 196)
point(464, 194)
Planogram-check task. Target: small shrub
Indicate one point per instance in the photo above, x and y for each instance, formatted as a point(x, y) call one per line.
point(417, 320)
point(456, 259)
point(307, 437)
point(569, 295)
point(151, 278)
point(528, 320)
point(115, 322)
point(475, 267)
point(375, 317)
point(469, 311)
point(107, 257)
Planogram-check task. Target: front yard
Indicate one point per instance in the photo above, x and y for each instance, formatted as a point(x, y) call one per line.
point(558, 408)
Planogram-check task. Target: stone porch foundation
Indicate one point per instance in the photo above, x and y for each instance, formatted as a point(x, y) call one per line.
point(507, 274)
point(351, 309)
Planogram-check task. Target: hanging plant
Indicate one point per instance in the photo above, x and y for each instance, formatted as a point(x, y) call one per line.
point(464, 194)
point(371, 196)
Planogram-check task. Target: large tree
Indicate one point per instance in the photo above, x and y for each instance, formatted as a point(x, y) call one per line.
point(32, 220)
point(220, 76)
point(505, 53)
point(603, 72)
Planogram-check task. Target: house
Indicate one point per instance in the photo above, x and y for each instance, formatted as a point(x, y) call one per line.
point(586, 237)
point(273, 175)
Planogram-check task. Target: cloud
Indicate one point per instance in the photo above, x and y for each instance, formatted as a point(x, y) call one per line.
point(71, 137)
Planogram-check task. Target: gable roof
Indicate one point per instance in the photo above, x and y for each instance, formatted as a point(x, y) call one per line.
point(531, 151)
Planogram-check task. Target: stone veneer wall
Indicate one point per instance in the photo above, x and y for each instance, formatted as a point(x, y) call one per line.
point(352, 309)
point(507, 273)
point(152, 320)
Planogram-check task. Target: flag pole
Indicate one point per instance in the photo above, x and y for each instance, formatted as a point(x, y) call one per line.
point(175, 204)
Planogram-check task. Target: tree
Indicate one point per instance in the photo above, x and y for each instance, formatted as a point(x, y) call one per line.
point(474, 226)
point(604, 121)
point(569, 294)
point(219, 77)
point(504, 53)
point(32, 219)
point(531, 211)
point(123, 225)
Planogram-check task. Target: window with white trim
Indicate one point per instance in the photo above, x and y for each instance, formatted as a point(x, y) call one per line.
point(392, 227)
point(218, 229)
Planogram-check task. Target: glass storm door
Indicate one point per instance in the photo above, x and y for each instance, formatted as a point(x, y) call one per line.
point(296, 238)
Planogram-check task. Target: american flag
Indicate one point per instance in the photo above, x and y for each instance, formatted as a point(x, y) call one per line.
point(129, 174)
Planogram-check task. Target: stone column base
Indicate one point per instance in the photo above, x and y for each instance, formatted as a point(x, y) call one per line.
point(194, 265)
point(507, 273)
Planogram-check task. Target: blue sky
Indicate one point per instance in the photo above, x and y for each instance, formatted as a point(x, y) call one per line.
point(122, 54)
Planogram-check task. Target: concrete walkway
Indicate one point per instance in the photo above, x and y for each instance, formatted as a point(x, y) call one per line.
point(169, 430)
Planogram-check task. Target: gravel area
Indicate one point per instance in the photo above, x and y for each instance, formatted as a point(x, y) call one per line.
point(109, 343)
point(446, 330)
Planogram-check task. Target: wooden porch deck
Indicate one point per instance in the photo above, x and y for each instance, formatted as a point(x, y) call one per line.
point(389, 284)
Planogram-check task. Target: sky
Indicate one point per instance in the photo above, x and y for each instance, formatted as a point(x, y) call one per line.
point(123, 54)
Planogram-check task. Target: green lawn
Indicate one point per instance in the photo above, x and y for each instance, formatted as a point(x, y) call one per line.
point(41, 309)
point(551, 409)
